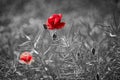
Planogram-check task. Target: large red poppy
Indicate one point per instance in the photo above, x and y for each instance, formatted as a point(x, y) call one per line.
point(26, 58)
point(54, 22)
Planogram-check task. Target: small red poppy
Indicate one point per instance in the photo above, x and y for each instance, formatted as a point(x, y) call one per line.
point(26, 58)
point(54, 22)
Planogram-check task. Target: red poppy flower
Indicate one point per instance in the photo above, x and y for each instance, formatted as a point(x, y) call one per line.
point(26, 58)
point(54, 22)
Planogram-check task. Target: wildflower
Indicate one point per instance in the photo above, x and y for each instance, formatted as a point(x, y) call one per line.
point(54, 22)
point(26, 58)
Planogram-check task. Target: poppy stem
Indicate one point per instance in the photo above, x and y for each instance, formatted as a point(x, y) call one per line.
point(47, 50)
point(36, 40)
point(38, 37)
point(45, 26)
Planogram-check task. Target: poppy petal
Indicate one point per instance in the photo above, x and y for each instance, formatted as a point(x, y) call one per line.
point(29, 58)
point(50, 27)
point(51, 21)
point(57, 20)
point(60, 15)
point(60, 25)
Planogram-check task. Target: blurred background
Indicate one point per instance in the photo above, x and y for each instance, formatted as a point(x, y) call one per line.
point(96, 20)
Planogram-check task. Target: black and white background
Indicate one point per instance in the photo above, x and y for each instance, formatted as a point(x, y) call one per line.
point(90, 40)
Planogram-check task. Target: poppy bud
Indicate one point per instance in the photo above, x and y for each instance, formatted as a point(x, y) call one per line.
point(93, 51)
point(54, 36)
point(78, 54)
point(97, 77)
point(45, 26)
